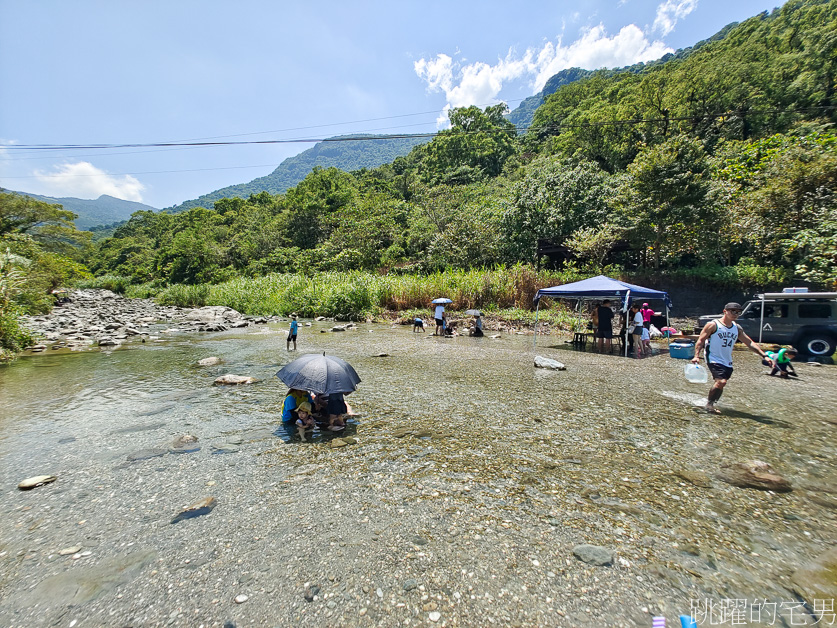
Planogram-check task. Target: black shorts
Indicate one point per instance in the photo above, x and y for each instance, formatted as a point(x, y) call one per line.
point(604, 332)
point(719, 371)
point(439, 322)
point(291, 337)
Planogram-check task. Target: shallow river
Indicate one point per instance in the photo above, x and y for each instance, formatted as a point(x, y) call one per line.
point(499, 469)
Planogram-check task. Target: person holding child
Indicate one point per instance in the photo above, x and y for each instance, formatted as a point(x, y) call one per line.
point(293, 400)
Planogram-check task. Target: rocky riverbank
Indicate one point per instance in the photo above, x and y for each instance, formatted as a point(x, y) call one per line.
point(91, 318)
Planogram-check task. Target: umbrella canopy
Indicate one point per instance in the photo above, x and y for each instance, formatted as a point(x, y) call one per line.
point(322, 374)
point(441, 301)
point(473, 312)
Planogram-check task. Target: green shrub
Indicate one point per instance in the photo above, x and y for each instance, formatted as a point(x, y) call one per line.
point(183, 295)
point(114, 283)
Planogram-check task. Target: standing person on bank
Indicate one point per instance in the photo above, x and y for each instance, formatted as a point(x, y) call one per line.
point(439, 317)
point(636, 330)
point(647, 313)
point(719, 336)
point(605, 330)
point(292, 333)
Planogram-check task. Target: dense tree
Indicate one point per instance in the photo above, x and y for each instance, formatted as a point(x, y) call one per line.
point(665, 193)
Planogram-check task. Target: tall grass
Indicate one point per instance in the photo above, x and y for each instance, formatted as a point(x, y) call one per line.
point(355, 294)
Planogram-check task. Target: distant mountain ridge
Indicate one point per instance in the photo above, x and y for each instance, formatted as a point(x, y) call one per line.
point(343, 152)
point(93, 212)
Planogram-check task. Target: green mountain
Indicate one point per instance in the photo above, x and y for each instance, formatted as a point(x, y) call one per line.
point(523, 115)
point(346, 152)
point(92, 212)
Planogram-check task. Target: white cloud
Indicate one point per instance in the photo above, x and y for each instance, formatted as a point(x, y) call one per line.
point(84, 180)
point(479, 83)
point(670, 11)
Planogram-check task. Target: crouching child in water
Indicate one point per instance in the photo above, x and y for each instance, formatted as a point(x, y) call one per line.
point(780, 362)
point(305, 420)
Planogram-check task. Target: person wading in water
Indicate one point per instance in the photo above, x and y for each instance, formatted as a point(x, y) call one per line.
point(719, 336)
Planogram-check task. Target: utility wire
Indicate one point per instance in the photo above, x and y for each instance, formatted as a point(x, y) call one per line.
point(356, 138)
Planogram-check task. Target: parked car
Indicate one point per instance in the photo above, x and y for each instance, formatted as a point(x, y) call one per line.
point(806, 320)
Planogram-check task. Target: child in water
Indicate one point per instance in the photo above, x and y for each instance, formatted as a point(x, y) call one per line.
point(780, 362)
point(305, 420)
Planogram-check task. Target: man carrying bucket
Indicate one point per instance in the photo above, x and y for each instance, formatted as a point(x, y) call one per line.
point(719, 336)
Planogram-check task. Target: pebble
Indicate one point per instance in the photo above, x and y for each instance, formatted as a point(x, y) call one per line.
point(241, 598)
point(435, 616)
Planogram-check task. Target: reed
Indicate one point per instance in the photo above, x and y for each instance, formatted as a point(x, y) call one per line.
point(355, 295)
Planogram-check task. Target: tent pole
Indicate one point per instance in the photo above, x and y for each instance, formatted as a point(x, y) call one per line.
point(761, 318)
point(535, 335)
point(627, 321)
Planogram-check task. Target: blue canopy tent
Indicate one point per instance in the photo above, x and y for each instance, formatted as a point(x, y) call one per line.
point(602, 287)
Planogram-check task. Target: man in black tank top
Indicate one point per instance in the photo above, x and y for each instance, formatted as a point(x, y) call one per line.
point(724, 332)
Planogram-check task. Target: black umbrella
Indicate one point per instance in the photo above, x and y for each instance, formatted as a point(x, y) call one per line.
point(321, 374)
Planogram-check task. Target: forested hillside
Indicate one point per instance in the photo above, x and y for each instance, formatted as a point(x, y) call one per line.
point(91, 212)
point(721, 164)
point(341, 152)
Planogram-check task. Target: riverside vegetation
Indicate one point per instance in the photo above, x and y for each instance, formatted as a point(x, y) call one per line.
point(717, 165)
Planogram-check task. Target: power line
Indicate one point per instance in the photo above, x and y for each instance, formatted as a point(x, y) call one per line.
point(553, 128)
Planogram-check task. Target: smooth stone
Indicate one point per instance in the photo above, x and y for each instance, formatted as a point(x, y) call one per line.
point(75, 549)
point(547, 363)
point(225, 448)
point(183, 440)
point(754, 474)
point(435, 616)
point(38, 480)
point(334, 443)
point(410, 584)
point(145, 454)
point(593, 555)
point(209, 361)
point(231, 380)
point(698, 478)
point(198, 509)
point(817, 580)
point(240, 599)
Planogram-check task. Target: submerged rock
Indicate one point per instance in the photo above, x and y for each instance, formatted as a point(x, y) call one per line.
point(546, 363)
point(754, 474)
point(203, 507)
point(593, 555)
point(38, 480)
point(212, 361)
point(233, 380)
point(818, 581)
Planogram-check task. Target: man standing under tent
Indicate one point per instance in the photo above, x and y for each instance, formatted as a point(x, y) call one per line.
point(605, 329)
point(719, 336)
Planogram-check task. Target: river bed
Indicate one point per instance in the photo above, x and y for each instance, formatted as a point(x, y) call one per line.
point(473, 478)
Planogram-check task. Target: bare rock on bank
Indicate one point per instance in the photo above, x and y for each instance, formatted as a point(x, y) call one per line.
point(546, 363)
point(754, 474)
point(38, 480)
point(233, 380)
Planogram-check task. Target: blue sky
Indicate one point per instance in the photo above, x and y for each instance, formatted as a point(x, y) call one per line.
point(105, 72)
